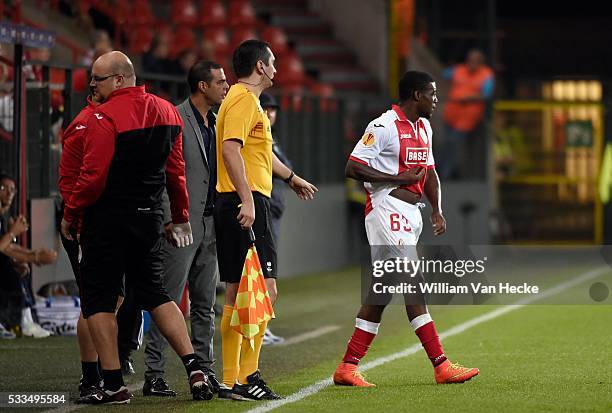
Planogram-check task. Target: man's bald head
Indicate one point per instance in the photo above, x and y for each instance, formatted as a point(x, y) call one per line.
point(117, 63)
point(112, 71)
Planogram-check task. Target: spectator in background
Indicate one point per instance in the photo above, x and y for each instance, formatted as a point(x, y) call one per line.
point(15, 294)
point(277, 200)
point(185, 61)
point(100, 44)
point(471, 86)
point(206, 50)
point(156, 59)
point(8, 278)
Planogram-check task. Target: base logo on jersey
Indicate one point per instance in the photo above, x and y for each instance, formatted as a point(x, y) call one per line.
point(368, 139)
point(416, 156)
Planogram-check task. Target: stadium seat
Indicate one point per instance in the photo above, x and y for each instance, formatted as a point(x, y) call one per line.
point(325, 94)
point(220, 43)
point(212, 14)
point(83, 6)
point(242, 14)
point(140, 40)
point(184, 38)
point(277, 39)
point(184, 13)
point(141, 14)
point(121, 13)
point(290, 71)
point(239, 35)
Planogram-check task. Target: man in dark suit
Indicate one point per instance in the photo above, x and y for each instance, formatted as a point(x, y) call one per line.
point(196, 264)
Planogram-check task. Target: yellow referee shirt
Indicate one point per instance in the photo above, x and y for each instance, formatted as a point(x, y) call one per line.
point(241, 118)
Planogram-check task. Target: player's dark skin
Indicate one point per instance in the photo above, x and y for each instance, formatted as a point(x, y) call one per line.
point(421, 104)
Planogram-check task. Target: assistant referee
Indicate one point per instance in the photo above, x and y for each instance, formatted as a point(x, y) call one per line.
point(245, 164)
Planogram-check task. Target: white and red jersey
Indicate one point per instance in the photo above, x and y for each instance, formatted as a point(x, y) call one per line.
point(393, 144)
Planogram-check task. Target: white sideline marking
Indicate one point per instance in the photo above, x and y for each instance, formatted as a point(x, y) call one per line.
point(308, 335)
point(320, 385)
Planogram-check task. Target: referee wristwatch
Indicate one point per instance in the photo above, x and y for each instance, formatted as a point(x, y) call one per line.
point(289, 178)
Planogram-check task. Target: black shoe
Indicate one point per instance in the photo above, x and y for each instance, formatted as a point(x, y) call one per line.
point(157, 386)
point(127, 367)
point(101, 396)
point(87, 388)
point(200, 388)
point(255, 389)
point(225, 393)
point(213, 382)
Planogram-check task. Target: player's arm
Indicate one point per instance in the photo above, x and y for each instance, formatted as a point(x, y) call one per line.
point(375, 140)
point(303, 189)
point(434, 196)
point(361, 171)
point(234, 163)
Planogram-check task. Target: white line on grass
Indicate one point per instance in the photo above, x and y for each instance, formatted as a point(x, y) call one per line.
point(309, 335)
point(320, 385)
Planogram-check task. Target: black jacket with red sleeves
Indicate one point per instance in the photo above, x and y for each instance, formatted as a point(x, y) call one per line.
point(132, 149)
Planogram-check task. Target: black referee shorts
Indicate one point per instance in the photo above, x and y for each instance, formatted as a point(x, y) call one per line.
point(233, 242)
point(116, 245)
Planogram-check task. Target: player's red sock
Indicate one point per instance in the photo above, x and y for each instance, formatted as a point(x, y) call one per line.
point(362, 337)
point(426, 331)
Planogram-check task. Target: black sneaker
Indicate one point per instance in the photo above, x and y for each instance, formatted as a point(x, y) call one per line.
point(86, 388)
point(127, 367)
point(213, 382)
point(225, 393)
point(255, 389)
point(157, 386)
point(200, 388)
point(101, 396)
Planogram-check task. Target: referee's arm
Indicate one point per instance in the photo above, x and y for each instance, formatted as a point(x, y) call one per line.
point(234, 163)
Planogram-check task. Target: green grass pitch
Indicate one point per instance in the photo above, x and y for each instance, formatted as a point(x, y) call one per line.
point(539, 358)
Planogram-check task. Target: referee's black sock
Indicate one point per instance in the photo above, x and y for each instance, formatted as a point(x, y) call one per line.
point(91, 374)
point(191, 363)
point(113, 380)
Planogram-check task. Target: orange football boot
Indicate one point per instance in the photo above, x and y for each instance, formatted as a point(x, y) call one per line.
point(347, 375)
point(448, 372)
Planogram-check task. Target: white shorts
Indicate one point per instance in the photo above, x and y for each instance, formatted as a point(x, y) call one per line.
point(394, 222)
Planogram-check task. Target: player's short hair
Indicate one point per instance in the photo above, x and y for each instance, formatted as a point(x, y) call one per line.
point(201, 71)
point(247, 55)
point(411, 82)
point(6, 177)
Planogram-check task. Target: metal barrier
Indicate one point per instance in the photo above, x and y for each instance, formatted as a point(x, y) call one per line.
point(547, 158)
